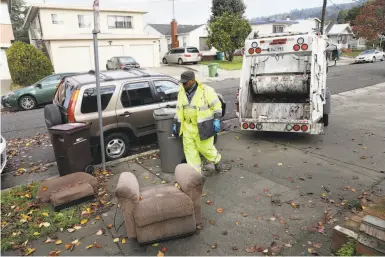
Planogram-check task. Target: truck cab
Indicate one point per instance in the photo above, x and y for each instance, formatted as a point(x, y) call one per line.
point(283, 83)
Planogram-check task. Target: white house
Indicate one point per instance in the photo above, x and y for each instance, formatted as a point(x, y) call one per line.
point(188, 35)
point(342, 35)
point(306, 25)
point(266, 27)
point(5, 42)
point(67, 35)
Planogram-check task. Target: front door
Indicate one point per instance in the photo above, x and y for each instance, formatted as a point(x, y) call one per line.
point(136, 106)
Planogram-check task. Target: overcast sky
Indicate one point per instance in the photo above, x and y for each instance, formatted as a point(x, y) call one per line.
point(192, 11)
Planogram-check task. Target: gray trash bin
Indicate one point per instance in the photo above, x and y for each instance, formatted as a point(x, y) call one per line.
point(171, 147)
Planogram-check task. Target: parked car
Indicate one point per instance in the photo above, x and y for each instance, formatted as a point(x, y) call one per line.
point(183, 55)
point(121, 62)
point(28, 98)
point(370, 56)
point(128, 97)
point(3, 151)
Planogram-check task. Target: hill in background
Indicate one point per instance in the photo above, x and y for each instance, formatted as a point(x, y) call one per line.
point(331, 12)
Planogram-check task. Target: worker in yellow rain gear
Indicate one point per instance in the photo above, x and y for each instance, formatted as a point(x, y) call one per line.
point(197, 120)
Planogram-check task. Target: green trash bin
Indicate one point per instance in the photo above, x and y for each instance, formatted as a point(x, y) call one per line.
point(213, 69)
point(219, 55)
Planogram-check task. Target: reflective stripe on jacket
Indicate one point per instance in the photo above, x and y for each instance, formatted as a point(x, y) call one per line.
point(207, 105)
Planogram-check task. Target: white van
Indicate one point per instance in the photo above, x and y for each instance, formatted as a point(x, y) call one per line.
point(183, 55)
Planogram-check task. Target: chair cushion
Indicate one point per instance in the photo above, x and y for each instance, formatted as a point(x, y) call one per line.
point(54, 185)
point(72, 194)
point(162, 203)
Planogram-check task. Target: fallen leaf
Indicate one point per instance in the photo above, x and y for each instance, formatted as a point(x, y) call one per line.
point(68, 246)
point(156, 244)
point(116, 240)
point(209, 202)
point(266, 250)
point(100, 232)
point(75, 242)
point(353, 190)
point(44, 189)
point(282, 221)
point(311, 250)
point(54, 253)
point(89, 246)
point(96, 245)
point(280, 164)
point(109, 226)
point(70, 230)
point(27, 195)
point(363, 207)
point(260, 218)
point(27, 144)
point(146, 177)
point(58, 242)
point(29, 251)
point(124, 240)
point(259, 249)
point(213, 246)
point(288, 245)
point(84, 221)
point(212, 222)
point(97, 217)
point(244, 214)
point(36, 233)
point(272, 218)
point(164, 249)
point(44, 224)
point(77, 227)
point(323, 194)
point(363, 157)
point(163, 182)
point(234, 248)
point(203, 195)
point(45, 214)
point(238, 223)
point(317, 245)
point(160, 254)
point(49, 240)
point(219, 210)
point(251, 249)
point(293, 205)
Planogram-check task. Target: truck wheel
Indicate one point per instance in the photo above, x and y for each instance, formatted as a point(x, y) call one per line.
point(325, 119)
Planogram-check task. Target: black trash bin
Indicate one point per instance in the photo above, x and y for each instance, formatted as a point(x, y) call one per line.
point(71, 144)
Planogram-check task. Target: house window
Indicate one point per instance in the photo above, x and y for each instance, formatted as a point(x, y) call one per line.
point(277, 29)
point(55, 19)
point(203, 44)
point(119, 22)
point(84, 21)
point(184, 41)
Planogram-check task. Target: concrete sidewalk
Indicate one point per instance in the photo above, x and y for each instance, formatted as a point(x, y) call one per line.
point(308, 177)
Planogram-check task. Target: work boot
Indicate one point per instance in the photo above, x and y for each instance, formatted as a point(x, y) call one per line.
point(208, 170)
point(219, 167)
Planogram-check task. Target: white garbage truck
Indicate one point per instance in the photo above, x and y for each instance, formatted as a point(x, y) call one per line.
point(283, 83)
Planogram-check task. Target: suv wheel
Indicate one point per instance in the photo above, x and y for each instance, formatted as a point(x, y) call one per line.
point(116, 146)
point(180, 61)
point(164, 61)
point(27, 102)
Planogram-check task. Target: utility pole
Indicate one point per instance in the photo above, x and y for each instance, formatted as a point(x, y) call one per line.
point(323, 16)
point(173, 9)
point(97, 76)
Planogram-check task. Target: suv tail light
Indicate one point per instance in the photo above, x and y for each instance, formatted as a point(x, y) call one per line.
point(71, 106)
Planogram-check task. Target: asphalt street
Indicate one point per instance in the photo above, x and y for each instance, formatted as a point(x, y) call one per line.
point(340, 79)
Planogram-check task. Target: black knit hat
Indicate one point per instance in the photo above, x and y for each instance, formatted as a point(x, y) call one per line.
point(186, 76)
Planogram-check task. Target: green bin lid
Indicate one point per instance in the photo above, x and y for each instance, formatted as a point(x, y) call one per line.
point(164, 113)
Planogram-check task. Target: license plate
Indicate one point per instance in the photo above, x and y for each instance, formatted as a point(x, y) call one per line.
point(276, 49)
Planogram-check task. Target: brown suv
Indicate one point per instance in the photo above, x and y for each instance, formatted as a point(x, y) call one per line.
point(129, 98)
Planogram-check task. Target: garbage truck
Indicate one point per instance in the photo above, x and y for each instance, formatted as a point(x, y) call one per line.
point(283, 84)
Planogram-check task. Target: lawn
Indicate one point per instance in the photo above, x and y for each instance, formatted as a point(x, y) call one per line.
point(236, 64)
point(352, 54)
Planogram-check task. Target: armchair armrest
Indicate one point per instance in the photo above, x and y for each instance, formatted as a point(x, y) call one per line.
point(127, 187)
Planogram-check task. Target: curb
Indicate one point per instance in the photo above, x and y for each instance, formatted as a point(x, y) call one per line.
point(358, 91)
point(183, 66)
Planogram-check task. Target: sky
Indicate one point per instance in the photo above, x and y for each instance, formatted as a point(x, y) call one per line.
point(192, 11)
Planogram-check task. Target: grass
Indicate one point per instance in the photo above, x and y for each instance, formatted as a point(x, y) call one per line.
point(236, 64)
point(21, 215)
point(352, 54)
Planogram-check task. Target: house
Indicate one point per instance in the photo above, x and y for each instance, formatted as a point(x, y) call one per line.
point(188, 35)
point(306, 25)
point(66, 33)
point(341, 35)
point(266, 27)
point(5, 42)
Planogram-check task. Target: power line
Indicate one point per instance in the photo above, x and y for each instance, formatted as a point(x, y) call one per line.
point(335, 5)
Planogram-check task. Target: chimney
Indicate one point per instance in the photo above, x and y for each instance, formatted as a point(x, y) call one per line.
point(287, 18)
point(174, 34)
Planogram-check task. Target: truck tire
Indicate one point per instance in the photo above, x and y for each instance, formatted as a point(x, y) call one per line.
point(325, 119)
point(52, 115)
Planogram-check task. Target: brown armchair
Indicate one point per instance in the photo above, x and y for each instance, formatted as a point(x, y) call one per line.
point(164, 211)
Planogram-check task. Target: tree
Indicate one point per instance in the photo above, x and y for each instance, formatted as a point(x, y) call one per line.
point(342, 16)
point(18, 13)
point(220, 7)
point(27, 64)
point(370, 22)
point(228, 33)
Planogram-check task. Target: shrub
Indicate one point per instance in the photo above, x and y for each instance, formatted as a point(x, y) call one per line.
point(27, 64)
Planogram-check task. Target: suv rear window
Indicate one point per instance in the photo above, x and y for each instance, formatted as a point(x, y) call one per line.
point(89, 102)
point(192, 50)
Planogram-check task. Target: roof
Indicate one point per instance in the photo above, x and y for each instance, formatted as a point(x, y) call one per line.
point(165, 29)
point(101, 36)
point(262, 22)
point(33, 10)
point(338, 29)
point(90, 78)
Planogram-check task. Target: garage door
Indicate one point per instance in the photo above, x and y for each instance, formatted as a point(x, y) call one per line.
point(107, 52)
point(73, 59)
point(143, 54)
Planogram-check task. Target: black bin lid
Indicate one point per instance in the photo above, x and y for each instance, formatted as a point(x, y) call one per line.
point(68, 128)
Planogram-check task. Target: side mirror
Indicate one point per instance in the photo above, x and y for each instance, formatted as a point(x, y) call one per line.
point(38, 86)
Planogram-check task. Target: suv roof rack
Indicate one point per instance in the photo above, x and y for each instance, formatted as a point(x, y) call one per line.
point(142, 73)
point(102, 75)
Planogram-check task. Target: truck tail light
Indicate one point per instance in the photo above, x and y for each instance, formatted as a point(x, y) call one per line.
point(296, 47)
point(304, 47)
point(258, 50)
point(252, 126)
point(245, 126)
point(71, 106)
point(251, 51)
point(304, 128)
point(296, 127)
